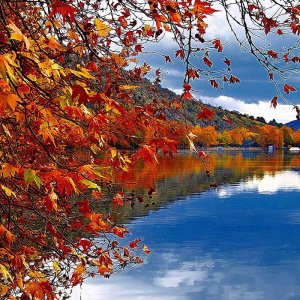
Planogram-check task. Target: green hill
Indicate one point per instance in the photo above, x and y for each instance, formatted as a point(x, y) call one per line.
point(149, 92)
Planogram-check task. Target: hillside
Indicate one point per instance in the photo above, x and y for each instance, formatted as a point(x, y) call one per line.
point(147, 92)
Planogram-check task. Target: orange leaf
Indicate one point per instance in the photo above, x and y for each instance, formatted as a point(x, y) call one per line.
point(119, 231)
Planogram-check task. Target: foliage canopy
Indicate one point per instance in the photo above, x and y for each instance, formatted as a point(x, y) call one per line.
point(68, 75)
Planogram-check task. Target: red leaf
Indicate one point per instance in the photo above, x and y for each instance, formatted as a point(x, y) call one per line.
point(202, 154)
point(227, 61)
point(138, 48)
point(66, 10)
point(271, 76)
point(168, 59)
point(205, 114)
point(146, 153)
point(252, 7)
point(288, 88)
point(191, 73)
point(207, 62)
point(234, 79)
point(214, 83)
point(186, 87)
point(217, 44)
point(279, 32)
point(179, 53)
point(79, 93)
point(296, 59)
point(274, 101)
point(134, 244)
point(272, 53)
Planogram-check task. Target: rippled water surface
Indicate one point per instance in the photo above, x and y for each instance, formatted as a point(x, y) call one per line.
point(239, 241)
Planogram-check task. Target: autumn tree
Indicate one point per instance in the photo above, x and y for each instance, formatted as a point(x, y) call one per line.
point(69, 76)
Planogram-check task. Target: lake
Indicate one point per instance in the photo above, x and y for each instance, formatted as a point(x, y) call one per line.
point(239, 241)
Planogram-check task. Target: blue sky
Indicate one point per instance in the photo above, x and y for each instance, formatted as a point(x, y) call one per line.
point(251, 96)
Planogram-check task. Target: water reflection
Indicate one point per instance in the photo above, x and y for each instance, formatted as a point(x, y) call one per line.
point(246, 247)
point(267, 184)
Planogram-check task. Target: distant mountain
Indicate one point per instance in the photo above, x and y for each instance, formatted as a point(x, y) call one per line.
point(295, 125)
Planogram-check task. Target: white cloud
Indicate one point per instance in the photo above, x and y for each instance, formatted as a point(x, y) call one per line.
point(283, 113)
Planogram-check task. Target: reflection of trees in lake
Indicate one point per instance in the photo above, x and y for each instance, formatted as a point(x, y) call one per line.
point(185, 175)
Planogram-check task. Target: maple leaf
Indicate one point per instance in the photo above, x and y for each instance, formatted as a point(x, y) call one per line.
point(207, 62)
point(205, 114)
point(217, 44)
point(18, 35)
point(286, 57)
point(147, 154)
point(271, 76)
point(296, 59)
point(234, 79)
point(134, 244)
point(288, 88)
point(214, 83)
point(30, 176)
point(77, 275)
point(118, 200)
point(119, 231)
point(146, 249)
point(203, 7)
point(102, 29)
point(272, 53)
point(168, 59)
point(179, 53)
point(274, 101)
point(192, 74)
point(66, 10)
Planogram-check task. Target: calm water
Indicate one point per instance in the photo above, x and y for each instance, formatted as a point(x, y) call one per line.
point(240, 241)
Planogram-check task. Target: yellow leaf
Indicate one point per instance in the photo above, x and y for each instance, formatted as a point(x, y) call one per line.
point(128, 87)
point(36, 274)
point(73, 185)
point(8, 191)
point(5, 273)
point(6, 130)
point(114, 153)
point(56, 267)
point(103, 29)
point(18, 35)
point(83, 72)
point(91, 184)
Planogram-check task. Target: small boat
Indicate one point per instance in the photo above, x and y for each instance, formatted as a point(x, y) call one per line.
point(294, 149)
